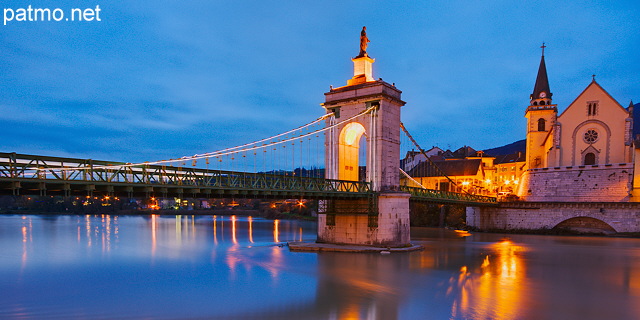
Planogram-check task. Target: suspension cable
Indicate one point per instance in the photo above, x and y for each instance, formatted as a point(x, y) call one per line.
point(428, 158)
point(232, 150)
point(412, 179)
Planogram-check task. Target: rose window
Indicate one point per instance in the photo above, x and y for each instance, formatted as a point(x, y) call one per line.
point(590, 136)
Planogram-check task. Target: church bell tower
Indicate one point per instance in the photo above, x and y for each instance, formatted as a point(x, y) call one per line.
point(541, 117)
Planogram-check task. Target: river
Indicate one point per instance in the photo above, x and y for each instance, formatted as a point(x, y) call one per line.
point(238, 267)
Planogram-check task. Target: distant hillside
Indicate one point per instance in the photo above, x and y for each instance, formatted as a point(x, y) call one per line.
point(511, 148)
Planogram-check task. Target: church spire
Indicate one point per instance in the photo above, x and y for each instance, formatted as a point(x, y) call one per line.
point(541, 89)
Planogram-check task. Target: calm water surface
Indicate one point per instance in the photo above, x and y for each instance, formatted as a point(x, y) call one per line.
point(214, 267)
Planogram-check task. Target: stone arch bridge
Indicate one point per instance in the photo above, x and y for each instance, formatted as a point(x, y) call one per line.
point(590, 217)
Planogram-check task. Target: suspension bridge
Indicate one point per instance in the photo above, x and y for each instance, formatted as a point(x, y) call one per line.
point(357, 181)
point(283, 166)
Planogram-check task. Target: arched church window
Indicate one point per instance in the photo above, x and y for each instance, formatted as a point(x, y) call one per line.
point(542, 103)
point(589, 159)
point(591, 136)
point(535, 103)
point(541, 124)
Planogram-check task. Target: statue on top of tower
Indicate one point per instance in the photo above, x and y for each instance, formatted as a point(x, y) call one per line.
point(363, 43)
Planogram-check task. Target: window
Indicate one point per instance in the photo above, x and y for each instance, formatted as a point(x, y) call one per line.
point(589, 159)
point(335, 111)
point(541, 124)
point(591, 136)
point(592, 108)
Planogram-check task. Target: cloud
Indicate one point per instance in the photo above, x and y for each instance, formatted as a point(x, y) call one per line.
point(176, 78)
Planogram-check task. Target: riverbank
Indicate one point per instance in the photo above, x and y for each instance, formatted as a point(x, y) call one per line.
point(557, 232)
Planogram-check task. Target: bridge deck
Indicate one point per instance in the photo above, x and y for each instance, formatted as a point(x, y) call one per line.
point(27, 174)
point(438, 196)
point(32, 175)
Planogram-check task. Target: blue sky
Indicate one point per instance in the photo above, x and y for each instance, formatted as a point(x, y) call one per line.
point(163, 79)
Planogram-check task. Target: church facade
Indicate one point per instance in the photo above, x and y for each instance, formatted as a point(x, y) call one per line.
point(584, 154)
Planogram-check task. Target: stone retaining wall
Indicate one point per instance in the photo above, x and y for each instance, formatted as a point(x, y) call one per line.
point(596, 183)
point(622, 217)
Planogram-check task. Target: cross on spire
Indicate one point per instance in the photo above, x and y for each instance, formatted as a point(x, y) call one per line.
point(543, 46)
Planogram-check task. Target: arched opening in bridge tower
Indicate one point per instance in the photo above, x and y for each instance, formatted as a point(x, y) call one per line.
point(349, 151)
point(585, 225)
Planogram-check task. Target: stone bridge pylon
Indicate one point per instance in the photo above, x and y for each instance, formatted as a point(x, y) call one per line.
point(383, 218)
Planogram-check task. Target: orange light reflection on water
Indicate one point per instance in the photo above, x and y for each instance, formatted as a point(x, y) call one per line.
point(87, 219)
point(24, 234)
point(178, 229)
point(26, 238)
point(496, 290)
point(154, 239)
point(233, 230)
point(234, 256)
point(276, 230)
point(215, 230)
point(275, 265)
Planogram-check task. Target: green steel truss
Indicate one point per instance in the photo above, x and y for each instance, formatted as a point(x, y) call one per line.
point(30, 174)
point(438, 196)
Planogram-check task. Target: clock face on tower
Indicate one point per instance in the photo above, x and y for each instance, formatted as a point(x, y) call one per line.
point(543, 94)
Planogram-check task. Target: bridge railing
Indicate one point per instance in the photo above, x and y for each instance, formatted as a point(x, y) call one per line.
point(21, 167)
point(446, 196)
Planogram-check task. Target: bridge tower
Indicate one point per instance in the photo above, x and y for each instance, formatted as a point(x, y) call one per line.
point(382, 219)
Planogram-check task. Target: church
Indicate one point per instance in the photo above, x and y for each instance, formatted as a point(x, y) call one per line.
point(584, 154)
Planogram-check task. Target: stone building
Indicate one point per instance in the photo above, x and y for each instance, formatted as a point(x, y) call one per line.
point(471, 174)
point(509, 169)
point(585, 153)
point(413, 158)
